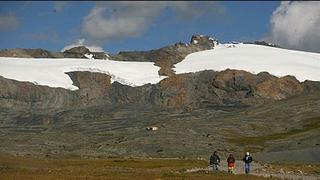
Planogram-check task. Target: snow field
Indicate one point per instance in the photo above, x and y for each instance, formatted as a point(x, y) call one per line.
point(254, 59)
point(51, 72)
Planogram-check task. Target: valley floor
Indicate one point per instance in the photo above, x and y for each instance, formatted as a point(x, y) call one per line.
point(19, 167)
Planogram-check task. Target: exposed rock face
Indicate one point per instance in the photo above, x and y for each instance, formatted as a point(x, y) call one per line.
point(311, 86)
point(186, 91)
point(230, 87)
point(93, 90)
point(280, 88)
point(93, 87)
point(25, 95)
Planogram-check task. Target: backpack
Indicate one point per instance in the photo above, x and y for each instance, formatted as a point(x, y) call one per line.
point(231, 160)
point(247, 159)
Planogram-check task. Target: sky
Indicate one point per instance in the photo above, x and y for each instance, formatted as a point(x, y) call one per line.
point(122, 26)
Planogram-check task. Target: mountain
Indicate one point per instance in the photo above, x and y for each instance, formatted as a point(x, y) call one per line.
point(76, 52)
point(202, 96)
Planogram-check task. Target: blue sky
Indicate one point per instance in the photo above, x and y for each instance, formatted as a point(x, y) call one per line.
point(53, 25)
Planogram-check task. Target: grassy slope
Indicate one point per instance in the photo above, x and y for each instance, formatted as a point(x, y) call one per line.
point(281, 120)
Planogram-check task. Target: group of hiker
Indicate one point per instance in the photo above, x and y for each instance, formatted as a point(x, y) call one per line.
point(215, 162)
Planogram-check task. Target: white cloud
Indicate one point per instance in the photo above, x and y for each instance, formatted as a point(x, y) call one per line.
point(118, 20)
point(8, 22)
point(82, 42)
point(115, 20)
point(296, 25)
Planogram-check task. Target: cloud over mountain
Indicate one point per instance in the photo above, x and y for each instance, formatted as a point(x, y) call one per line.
point(296, 25)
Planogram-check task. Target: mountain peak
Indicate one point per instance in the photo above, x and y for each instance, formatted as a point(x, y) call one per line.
point(78, 49)
point(204, 40)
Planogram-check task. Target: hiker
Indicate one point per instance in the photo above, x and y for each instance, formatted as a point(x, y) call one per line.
point(231, 163)
point(214, 160)
point(247, 162)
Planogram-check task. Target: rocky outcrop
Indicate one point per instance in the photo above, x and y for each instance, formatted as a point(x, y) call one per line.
point(76, 52)
point(93, 90)
point(204, 42)
point(93, 87)
point(226, 88)
point(183, 91)
point(83, 52)
point(311, 86)
point(280, 88)
point(18, 96)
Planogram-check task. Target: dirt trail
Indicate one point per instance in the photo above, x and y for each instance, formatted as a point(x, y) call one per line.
point(259, 170)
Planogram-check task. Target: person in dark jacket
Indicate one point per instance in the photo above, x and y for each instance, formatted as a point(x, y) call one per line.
point(214, 160)
point(247, 162)
point(231, 163)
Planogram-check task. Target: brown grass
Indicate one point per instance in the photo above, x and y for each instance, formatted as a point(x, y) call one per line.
point(76, 168)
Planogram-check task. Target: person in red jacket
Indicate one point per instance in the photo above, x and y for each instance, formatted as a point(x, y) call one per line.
point(231, 163)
